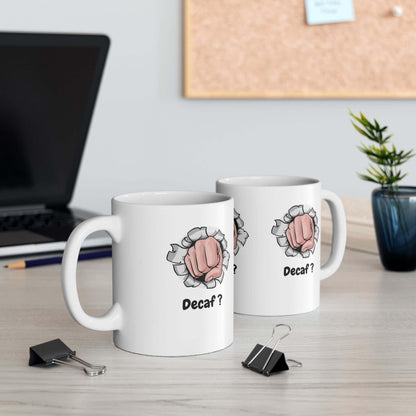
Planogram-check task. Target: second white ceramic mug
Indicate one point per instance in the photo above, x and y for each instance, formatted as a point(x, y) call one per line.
point(277, 244)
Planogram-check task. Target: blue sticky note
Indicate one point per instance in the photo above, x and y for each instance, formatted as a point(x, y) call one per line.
point(329, 11)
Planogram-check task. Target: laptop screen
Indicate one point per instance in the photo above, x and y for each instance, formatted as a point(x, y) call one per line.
point(48, 87)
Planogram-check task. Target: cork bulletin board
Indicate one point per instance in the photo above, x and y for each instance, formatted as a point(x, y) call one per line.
point(265, 49)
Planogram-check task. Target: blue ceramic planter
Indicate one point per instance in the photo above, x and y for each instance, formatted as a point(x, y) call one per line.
point(395, 223)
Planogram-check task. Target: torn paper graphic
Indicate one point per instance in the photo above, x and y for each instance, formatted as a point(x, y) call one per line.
point(201, 258)
point(240, 234)
point(298, 231)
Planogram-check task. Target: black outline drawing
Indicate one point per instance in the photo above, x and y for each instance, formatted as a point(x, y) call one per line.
point(279, 230)
point(178, 253)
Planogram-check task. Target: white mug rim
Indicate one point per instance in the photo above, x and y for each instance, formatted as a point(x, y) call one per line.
point(171, 198)
point(265, 181)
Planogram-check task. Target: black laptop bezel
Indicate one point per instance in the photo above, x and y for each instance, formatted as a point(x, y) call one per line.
point(102, 42)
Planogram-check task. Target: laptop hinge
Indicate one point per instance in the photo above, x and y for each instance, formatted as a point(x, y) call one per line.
point(22, 209)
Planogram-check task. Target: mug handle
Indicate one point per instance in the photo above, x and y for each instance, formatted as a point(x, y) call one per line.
point(112, 319)
point(339, 234)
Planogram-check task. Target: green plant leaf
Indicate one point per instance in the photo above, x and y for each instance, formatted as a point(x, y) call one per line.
point(367, 178)
point(364, 119)
point(361, 131)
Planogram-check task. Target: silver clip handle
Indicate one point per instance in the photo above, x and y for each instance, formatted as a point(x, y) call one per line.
point(92, 370)
point(277, 341)
point(296, 363)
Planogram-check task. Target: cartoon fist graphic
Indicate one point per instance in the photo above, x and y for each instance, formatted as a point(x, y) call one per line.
point(235, 235)
point(204, 259)
point(201, 258)
point(301, 232)
point(297, 232)
point(240, 234)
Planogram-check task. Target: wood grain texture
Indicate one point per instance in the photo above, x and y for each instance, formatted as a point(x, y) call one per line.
point(265, 49)
point(358, 352)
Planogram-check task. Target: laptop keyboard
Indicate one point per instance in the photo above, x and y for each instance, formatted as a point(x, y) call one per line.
point(37, 221)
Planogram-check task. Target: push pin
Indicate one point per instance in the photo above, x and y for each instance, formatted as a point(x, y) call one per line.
point(266, 360)
point(397, 11)
point(56, 352)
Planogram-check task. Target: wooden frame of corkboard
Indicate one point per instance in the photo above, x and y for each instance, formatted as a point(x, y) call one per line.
point(265, 49)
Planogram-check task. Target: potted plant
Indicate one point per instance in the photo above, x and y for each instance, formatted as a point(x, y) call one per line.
point(394, 206)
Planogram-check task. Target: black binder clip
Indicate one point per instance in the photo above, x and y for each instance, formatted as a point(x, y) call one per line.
point(56, 352)
point(266, 360)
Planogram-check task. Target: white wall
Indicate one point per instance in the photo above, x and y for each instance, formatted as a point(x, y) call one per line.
point(145, 136)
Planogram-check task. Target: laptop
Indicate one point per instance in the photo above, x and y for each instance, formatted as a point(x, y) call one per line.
point(48, 88)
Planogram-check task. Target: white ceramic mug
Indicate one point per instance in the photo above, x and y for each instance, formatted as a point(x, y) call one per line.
point(277, 227)
point(172, 272)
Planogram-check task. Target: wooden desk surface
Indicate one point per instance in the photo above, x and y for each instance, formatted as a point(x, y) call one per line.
point(358, 352)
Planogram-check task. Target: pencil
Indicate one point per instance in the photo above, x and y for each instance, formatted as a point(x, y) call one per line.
point(25, 264)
